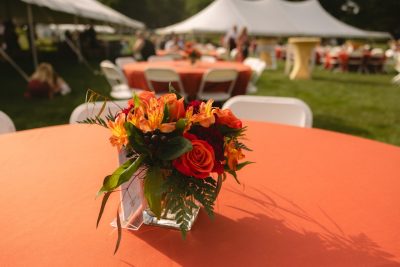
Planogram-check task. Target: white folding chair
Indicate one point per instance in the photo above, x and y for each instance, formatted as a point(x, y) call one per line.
point(257, 66)
point(160, 58)
point(121, 61)
point(6, 124)
point(283, 110)
point(233, 53)
point(226, 76)
point(91, 110)
point(163, 75)
point(209, 59)
point(117, 81)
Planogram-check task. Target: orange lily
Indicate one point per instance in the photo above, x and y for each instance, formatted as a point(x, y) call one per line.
point(205, 117)
point(119, 137)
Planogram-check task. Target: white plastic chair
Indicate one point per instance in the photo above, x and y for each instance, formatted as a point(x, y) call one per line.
point(257, 66)
point(209, 59)
point(6, 124)
point(117, 81)
point(91, 110)
point(163, 75)
point(121, 61)
point(234, 53)
point(227, 76)
point(160, 58)
point(283, 110)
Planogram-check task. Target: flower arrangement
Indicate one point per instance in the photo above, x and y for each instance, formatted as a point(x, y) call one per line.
point(187, 150)
point(192, 53)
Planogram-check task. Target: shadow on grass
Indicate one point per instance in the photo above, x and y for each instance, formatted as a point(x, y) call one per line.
point(336, 124)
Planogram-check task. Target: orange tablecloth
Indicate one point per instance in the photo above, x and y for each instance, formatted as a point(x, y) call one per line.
point(190, 75)
point(314, 198)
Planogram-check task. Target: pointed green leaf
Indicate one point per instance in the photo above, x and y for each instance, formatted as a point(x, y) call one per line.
point(136, 101)
point(174, 148)
point(180, 125)
point(153, 189)
point(219, 185)
point(119, 233)
point(241, 165)
point(166, 114)
point(103, 204)
point(233, 173)
point(122, 174)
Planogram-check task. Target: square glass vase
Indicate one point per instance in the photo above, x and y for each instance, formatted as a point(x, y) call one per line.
point(134, 209)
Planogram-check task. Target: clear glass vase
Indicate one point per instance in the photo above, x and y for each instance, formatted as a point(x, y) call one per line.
point(134, 207)
point(167, 220)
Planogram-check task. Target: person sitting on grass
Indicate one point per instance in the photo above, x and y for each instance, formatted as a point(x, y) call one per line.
point(44, 82)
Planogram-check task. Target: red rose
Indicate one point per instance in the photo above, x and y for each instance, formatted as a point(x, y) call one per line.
point(198, 162)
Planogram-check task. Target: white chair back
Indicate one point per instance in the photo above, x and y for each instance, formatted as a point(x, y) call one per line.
point(283, 110)
point(121, 61)
point(119, 85)
point(160, 58)
point(227, 76)
point(234, 53)
point(113, 75)
point(163, 75)
point(91, 110)
point(209, 59)
point(257, 66)
point(6, 124)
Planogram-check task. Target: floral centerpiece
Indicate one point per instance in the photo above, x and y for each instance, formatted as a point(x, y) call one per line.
point(187, 150)
point(192, 53)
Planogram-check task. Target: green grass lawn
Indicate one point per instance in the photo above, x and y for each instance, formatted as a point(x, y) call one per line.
point(357, 104)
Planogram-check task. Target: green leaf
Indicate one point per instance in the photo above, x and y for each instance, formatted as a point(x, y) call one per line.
point(103, 205)
point(136, 101)
point(166, 114)
point(233, 173)
point(122, 174)
point(174, 148)
point(241, 165)
point(153, 189)
point(119, 233)
point(172, 90)
point(180, 125)
point(219, 185)
point(225, 130)
point(136, 138)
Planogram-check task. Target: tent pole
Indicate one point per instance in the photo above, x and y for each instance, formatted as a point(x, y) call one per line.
point(13, 64)
point(32, 36)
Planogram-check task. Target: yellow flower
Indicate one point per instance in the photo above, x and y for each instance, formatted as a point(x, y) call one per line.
point(205, 117)
point(233, 155)
point(119, 137)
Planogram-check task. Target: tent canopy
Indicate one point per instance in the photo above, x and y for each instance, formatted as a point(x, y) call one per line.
point(58, 10)
point(270, 18)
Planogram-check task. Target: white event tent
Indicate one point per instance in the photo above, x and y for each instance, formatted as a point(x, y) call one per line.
point(59, 11)
point(269, 18)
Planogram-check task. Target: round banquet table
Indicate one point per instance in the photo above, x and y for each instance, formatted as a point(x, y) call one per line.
point(190, 75)
point(313, 198)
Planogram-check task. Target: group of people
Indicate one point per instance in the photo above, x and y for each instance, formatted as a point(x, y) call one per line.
point(239, 41)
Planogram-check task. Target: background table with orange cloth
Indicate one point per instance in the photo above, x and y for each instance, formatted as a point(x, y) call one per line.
point(190, 75)
point(313, 198)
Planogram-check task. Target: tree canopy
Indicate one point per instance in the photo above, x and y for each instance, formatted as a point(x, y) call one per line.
point(373, 14)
